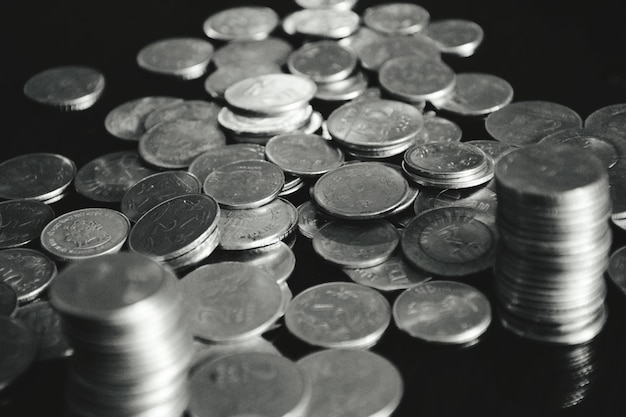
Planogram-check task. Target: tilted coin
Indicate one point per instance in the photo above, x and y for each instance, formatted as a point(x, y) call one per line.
point(361, 39)
point(248, 53)
point(326, 4)
point(450, 241)
point(374, 54)
point(323, 61)
point(156, 188)
point(356, 244)
point(186, 58)
point(476, 94)
point(66, 88)
point(321, 23)
point(214, 158)
point(527, 122)
point(223, 77)
point(244, 184)
point(480, 198)
point(175, 144)
point(443, 312)
point(127, 121)
point(301, 154)
point(8, 300)
point(230, 301)
point(396, 18)
point(458, 37)
point(610, 118)
point(247, 384)
point(46, 325)
point(108, 177)
point(22, 221)
point(338, 315)
point(36, 176)
point(264, 127)
point(17, 350)
point(351, 88)
point(241, 23)
point(617, 269)
point(28, 271)
point(186, 110)
point(182, 263)
point(355, 382)
point(438, 129)
point(493, 148)
point(392, 275)
point(85, 233)
point(590, 140)
point(310, 220)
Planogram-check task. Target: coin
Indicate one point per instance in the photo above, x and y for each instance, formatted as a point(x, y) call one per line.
point(445, 159)
point(206, 352)
point(458, 37)
point(450, 241)
point(108, 177)
point(28, 271)
point(374, 54)
point(476, 94)
point(68, 88)
point(264, 127)
point(127, 121)
point(186, 58)
point(241, 23)
point(480, 198)
point(438, 129)
point(322, 61)
point(310, 219)
point(249, 53)
point(186, 110)
point(306, 155)
point(326, 4)
point(45, 323)
point(493, 148)
point(321, 23)
point(85, 233)
point(396, 18)
point(212, 159)
point(18, 348)
point(361, 39)
point(351, 88)
point(338, 315)
point(392, 275)
point(592, 141)
point(8, 300)
point(616, 268)
point(445, 312)
point(223, 77)
point(352, 381)
point(36, 176)
point(610, 118)
point(156, 188)
point(22, 221)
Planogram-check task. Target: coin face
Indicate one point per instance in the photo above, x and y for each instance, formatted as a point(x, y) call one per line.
point(303, 154)
point(85, 233)
point(591, 141)
point(28, 271)
point(374, 54)
point(610, 118)
point(66, 88)
point(246, 53)
point(493, 148)
point(264, 127)
point(127, 121)
point(477, 94)
point(350, 88)
point(323, 61)
point(338, 315)
point(223, 77)
point(18, 347)
point(458, 37)
point(396, 18)
point(445, 159)
point(23, 221)
point(186, 110)
point(45, 323)
point(185, 58)
point(443, 312)
point(438, 129)
point(322, 23)
point(214, 158)
point(480, 198)
point(392, 275)
point(241, 23)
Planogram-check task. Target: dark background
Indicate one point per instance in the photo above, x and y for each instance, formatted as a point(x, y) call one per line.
point(548, 50)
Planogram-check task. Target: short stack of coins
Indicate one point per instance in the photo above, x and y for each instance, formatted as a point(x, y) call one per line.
point(553, 211)
point(123, 315)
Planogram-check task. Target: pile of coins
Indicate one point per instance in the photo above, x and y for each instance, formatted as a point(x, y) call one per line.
point(124, 316)
point(553, 211)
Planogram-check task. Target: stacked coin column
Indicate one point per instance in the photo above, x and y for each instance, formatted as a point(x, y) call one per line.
point(553, 211)
point(123, 314)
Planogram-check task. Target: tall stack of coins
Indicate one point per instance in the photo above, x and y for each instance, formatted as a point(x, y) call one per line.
point(553, 211)
point(123, 315)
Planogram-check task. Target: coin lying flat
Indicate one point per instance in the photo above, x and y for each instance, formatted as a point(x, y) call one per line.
point(610, 118)
point(593, 141)
point(476, 94)
point(127, 121)
point(392, 275)
point(494, 149)
point(245, 53)
point(396, 18)
point(438, 129)
point(8, 300)
point(28, 271)
point(264, 127)
point(347, 89)
point(482, 198)
point(206, 352)
point(310, 219)
point(458, 37)
point(22, 221)
point(66, 88)
point(443, 312)
point(323, 61)
point(45, 323)
point(321, 23)
point(18, 348)
point(214, 158)
point(374, 54)
point(186, 58)
point(224, 76)
point(301, 154)
point(241, 23)
point(186, 110)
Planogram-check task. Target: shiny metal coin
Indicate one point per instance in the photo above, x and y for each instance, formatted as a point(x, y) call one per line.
point(241, 23)
point(338, 315)
point(470, 181)
point(46, 325)
point(374, 54)
point(8, 300)
point(392, 275)
point(438, 129)
point(442, 160)
point(224, 76)
point(493, 148)
point(186, 58)
point(348, 89)
point(203, 250)
point(479, 198)
point(396, 18)
point(127, 121)
point(18, 347)
point(323, 61)
point(476, 94)
point(306, 155)
point(247, 53)
point(458, 37)
point(591, 141)
point(186, 110)
point(310, 220)
point(207, 352)
point(610, 119)
point(617, 268)
point(321, 23)
point(326, 4)
point(361, 39)
point(28, 271)
point(214, 158)
point(23, 221)
point(265, 127)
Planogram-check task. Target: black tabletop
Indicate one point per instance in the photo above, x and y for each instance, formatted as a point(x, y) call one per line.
point(556, 51)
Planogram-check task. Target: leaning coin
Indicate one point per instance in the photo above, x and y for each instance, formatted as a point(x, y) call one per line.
point(28, 271)
point(45, 322)
point(450, 241)
point(206, 352)
point(249, 53)
point(323, 61)
point(18, 347)
point(230, 301)
point(8, 300)
point(155, 189)
point(186, 110)
point(241, 23)
point(392, 275)
point(338, 315)
point(352, 382)
point(458, 37)
point(396, 18)
point(185, 58)
point(223, 77)
point(127, 121)
point(85, 233)
point(476, 94)
point(108, 177)
point(214, 158)
point(444, 312)
point(321, 23)
point(23, 221)
point(66, 88)
point(305, 155)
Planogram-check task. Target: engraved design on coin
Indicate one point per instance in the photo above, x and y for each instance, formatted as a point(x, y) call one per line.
point(303, 154)
point(68, 88)
point(458, 37)
point(186, 58)
point(127, 121)
point(23, 221)
point(28, 271)
point(392, 275)
point(46, 325)
point(396, 18)
point(476, 94)
point(214, 158)
point(241, 23)
point(251, 53)
point(323, 61)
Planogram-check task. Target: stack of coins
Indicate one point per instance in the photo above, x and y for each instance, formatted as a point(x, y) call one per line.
point(123, 315)
point(553, 211)
point(267, 105)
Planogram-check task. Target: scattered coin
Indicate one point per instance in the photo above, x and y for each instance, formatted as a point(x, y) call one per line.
point(323, 61)
point(18, 347)
point(392, 275)
point(361, 39)
point(127, 121)
point(185, 58)
point(438, 129)
point(350, 88)
point(45, 323)
point(214, 158)
point(593, 141)
point(249, 53)
point(241, 23)
point(374, 54)
point(482, 198)
point(186, 110)
point(458, 37)
point(476, 94)
point(8, 300)
point(207, 352)
point(494, 149)
point(310, 220)
point(321, 23)
point(326, 4)
point(28, 271)
point(617, 269)
point(264, 128)
point(305, 155)
point(396, 18)
point(224, 76)
point(23, 221)
point(609, 118)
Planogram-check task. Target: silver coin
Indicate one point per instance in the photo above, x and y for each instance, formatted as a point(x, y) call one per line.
point(306, 155)
point(18, 347)
point(23, 221)
point(392, 275)
point(245, 53)
point(186, 58)
point(445, 312)
point(590, 141)
point(127, 121)
point(610, 118)
point(28, 271)
point(224, 76)
point(207, 352)
point(310, 220)
point(338, 315)
point(203, 250)
point(438, 129)
point(66, 88)
point(476, 94)
point(361, 39)
point(214, 158)
point(349, 89)
point(321, 23)
point(264, 127)
point(326, 4)
point(617, 267)
point(8, 300)
point(458, 37)
point(374, 54)
point(396, 18)
point(46, 325)
point(322, 61)
point(480, 198)
point(241, 23)
point(481, 177)
point(493, 148)
point(186, 110)
point(445, 159)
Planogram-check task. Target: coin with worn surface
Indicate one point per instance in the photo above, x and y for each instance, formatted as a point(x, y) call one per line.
point(186, 110)
point(589, 140)
point(244, 184)
point(175, 144)
point(214, 158)
point(156, 188)
point(108, 177)
point(230, 301)
point(35, 176)
point(254, 228)
point(66, 88)
point(617, 269)
point(85, 233)
point(223, 77)
point(374, 54)
point(338, 315)
point(174, 227)
point(361, 190)
point(247, 384)
point(310, 219)
point(17, 350)
point(450, 241)
point(301, 154)
point(127, 121)
point(356, 244)
point(527, 122)
point(23, 221)
point(270, 94)
point(241, 23)
point(396, 18)
point(45, 323)
point(28, 271)
point(352, 382)
point(8, 300)
point(323, 61)
point(321, 23)
point(458, 37)
point(249, 53)
point(392, 275)
point(186, 58)
point(443, 312)
point(476, 94)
